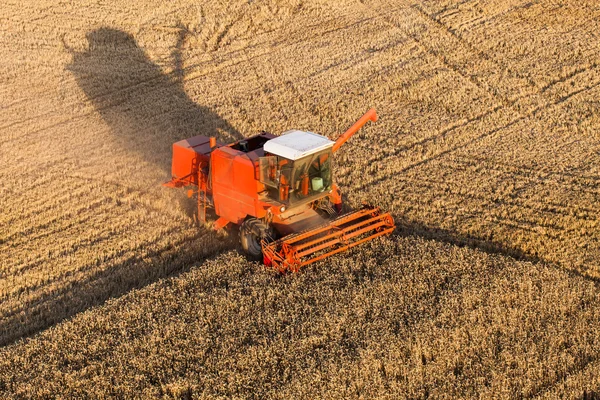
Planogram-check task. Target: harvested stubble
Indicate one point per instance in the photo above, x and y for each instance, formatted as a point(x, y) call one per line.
point(487, 137)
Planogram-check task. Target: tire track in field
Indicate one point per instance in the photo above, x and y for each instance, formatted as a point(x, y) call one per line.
point(487, 209)
point(520, 26)
point(451, 6)
point(28, 119)
point(438, 136)
point(136, 193)
point(487, 212)
point(504, 102)
point(317, 77)
point(32, 231)
point(153, 79)
point(32, 181)
point(575, 73)
point(484, 135)
point(151, 89)
point(485, 20)
point(472, 50)
point(395, 171)
point(532, 175)
point(89, 210)
point(574, 370)
point(12, 103)
point(453, 67)
point(498, 68)
point(218, 60)
point(526, 179)
point(86, 213)
point(459, 43)
point(462, 53)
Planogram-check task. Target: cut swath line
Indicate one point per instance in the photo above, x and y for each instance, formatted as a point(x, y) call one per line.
point(49, 205)
point(485, 21)
point(96, 287)
point(19, 267)
point(82, 271)
point(35, 231)
point(571, 75)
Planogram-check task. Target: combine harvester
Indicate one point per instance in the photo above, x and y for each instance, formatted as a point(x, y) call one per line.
point(280, 190)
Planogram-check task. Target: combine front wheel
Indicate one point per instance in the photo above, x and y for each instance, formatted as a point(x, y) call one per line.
point(252, 231)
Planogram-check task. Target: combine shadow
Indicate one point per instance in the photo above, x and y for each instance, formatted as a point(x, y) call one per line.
point(413, 228)
point(146, 110)
point(135, 272)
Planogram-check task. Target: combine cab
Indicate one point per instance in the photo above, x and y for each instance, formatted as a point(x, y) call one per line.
point(280, 190)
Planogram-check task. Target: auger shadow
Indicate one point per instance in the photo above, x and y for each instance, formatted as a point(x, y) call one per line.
point(146, 110)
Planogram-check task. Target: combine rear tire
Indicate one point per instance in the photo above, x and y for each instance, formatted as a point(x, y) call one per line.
point(252, 232)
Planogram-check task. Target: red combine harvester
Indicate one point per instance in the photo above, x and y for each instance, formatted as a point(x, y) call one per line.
point(280, 190)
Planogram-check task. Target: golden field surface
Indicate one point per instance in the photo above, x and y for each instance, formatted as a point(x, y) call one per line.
point(487, 153)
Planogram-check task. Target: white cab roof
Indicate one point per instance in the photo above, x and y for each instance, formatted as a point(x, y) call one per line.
point(296, 144)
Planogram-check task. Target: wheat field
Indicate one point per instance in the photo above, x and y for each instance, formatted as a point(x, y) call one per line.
point(486, 153)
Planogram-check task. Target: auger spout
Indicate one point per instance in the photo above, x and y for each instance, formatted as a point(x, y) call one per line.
point(370, 115)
